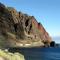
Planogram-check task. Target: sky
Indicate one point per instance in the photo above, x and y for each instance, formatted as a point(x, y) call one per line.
point(45, 11)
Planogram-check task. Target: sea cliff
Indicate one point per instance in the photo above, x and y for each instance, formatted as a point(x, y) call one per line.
point(21, 30)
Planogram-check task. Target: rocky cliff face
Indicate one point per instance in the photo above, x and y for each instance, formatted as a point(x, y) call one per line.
point(22, 30)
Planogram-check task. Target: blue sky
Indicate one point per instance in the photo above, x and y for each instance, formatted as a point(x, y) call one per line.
point(45, 11)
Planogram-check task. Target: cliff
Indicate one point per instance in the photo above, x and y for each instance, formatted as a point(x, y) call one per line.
point(20, 30)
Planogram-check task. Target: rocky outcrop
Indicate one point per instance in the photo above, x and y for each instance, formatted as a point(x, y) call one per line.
point(18, 29)
point(5, 55)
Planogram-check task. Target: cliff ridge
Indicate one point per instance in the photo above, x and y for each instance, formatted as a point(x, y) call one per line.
point(21, 30)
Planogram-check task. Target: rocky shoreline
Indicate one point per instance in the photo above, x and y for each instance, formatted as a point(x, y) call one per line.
point(5, 55)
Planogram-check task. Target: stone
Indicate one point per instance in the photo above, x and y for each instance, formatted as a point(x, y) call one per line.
point(2, 7)
point(5, 55)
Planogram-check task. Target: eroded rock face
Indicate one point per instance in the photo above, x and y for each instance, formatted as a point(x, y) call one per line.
point(2, 7)
point(17, 27)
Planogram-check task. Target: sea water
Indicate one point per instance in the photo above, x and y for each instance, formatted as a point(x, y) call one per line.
point(41, 53)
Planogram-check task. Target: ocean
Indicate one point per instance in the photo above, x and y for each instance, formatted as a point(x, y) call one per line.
point(40, 53)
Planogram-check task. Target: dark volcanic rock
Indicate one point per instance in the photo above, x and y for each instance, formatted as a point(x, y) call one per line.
point(52, 44)
point(20, 29)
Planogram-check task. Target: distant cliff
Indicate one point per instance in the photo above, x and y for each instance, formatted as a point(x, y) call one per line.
point(20, 30)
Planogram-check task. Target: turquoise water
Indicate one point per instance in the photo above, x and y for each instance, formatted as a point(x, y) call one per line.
point(40, 53)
